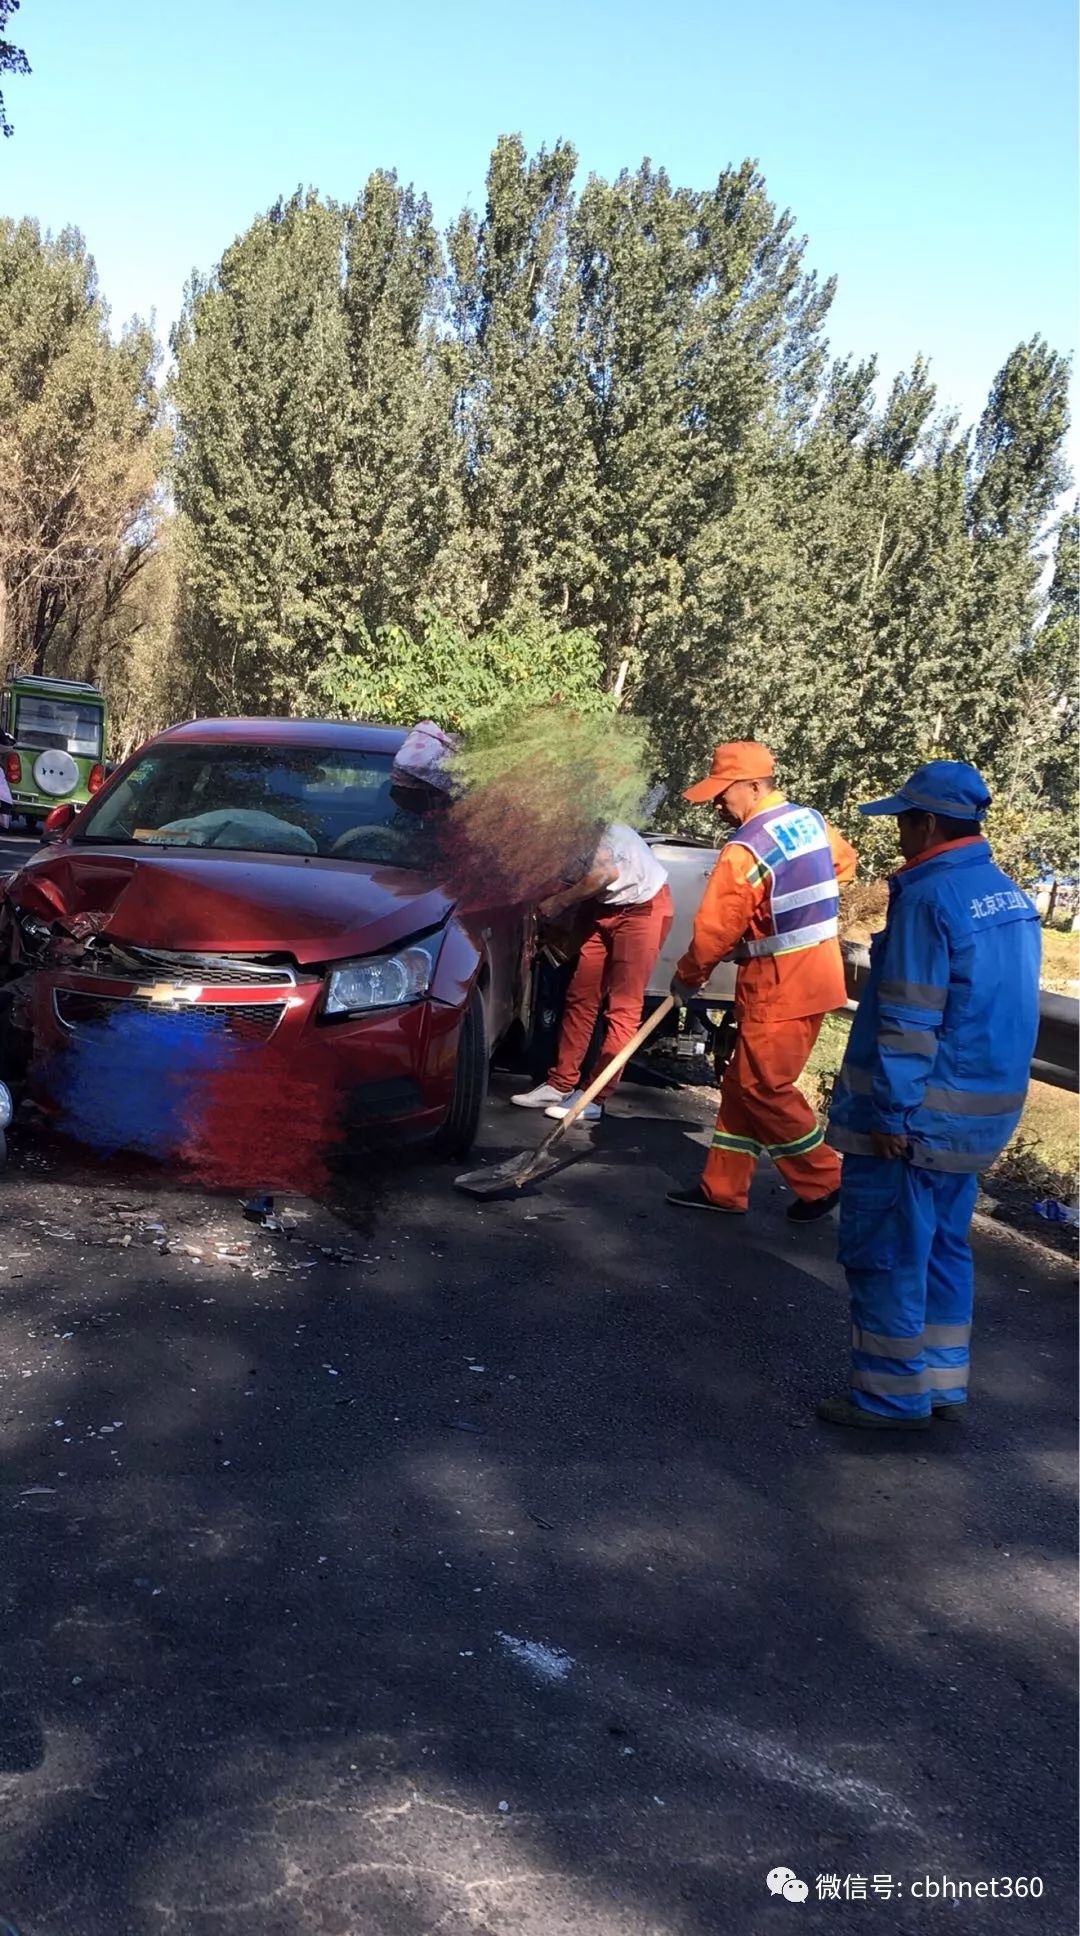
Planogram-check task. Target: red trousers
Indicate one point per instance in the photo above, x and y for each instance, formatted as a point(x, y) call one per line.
point(762, 1113)
point(619, 955)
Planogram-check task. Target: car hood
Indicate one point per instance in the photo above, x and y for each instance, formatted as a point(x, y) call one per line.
point(203, 902)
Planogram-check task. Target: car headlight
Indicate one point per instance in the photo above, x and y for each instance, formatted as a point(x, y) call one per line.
point(7, 1107)
point(382, 981)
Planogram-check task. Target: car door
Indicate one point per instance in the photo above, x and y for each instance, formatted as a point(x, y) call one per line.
point(689, 865)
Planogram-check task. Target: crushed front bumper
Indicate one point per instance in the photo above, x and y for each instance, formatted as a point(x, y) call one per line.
point(243, 1076)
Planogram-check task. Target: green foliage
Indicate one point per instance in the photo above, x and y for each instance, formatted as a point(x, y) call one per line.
point(889, 610)
point(1035, 819)
point(315, 469)
point(262, 398)
point(81, 451)
point(440, 673)
point(12, 59)
point(589, 438)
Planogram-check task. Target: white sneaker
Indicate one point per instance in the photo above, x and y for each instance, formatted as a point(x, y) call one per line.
point(591, 1114)
point(540, 1097)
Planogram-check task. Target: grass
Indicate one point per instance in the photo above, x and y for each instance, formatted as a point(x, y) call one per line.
point(1048, 1128)
point(1061, 961)
point(819, 1074)
point(1041, 1161)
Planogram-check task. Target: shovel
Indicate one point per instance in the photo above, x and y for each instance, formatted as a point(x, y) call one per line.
point(504, 1178)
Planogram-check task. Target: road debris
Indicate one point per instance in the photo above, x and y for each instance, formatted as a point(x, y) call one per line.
point(546, 1663)
point(1053, 1211)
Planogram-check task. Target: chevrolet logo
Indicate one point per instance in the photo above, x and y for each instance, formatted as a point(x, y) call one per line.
point(173, 994)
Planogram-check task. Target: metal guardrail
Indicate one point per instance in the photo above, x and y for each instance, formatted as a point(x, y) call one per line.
point(1057, 1048)
point(1056, 1051)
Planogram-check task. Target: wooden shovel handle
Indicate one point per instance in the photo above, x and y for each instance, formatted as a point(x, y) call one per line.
point(609, 1069)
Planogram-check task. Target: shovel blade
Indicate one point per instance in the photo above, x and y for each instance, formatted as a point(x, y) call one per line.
point(501, 1179)
point(509, 1179)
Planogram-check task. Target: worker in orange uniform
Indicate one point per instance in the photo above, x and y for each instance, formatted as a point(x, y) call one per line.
point(773, 903)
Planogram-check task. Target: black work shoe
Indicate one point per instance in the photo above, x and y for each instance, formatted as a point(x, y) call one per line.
point(949, 1414)
point(802, 1211)
point(844, 1411)
point(696, 1199)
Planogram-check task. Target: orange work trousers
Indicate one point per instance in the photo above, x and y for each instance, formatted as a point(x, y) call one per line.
point(762, 1113)
point(617, 957)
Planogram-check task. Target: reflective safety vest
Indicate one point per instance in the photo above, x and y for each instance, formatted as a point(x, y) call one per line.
point(793, 856)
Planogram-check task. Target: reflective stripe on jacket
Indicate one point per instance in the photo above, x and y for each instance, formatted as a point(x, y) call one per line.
point(940, 1049)
point(793, 860)
point(760, 902)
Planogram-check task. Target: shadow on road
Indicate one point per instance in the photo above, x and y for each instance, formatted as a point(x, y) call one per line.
point(491, 1577)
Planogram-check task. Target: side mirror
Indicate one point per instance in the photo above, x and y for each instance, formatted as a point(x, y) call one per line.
point(57, 822)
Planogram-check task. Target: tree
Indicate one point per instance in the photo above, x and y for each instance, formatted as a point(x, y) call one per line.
point(879, 594)
point(404, 466)
point(317, 470)
point(598, 434)
point(1017, 475)
point(699, 326)
point(874, 505)
point(263, 406)
point(81, 447)
point(529, 513)
point(12, 59)
point(131, 644)
point(1036, 810)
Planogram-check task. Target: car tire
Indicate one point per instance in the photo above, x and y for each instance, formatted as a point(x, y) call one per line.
point(548, 994)
point(458, 1132)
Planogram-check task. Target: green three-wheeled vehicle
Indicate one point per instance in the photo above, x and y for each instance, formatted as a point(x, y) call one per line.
point(54, 742)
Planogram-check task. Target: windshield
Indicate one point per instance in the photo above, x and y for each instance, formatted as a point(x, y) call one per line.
point(61, 725)
point(264, 799)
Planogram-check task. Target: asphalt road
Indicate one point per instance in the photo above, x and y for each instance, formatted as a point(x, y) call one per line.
point(480, 1569)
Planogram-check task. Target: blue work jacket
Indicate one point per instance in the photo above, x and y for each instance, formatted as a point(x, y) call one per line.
point(941, 1045)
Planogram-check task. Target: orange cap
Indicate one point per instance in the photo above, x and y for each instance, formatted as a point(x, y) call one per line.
point(737, 759)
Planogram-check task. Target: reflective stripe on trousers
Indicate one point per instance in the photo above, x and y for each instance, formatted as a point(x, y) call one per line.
point(904, 1247)
point(748, 1145)
point(762, 1112)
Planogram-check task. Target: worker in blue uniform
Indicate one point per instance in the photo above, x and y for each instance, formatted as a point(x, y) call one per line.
point(930, 1091)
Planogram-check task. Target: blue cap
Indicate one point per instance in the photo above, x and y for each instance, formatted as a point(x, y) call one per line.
point(941, 786)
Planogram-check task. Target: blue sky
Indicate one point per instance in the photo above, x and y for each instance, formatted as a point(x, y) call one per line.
point(927, 150)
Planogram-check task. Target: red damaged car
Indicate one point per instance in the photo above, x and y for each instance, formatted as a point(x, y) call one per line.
point(239, 949)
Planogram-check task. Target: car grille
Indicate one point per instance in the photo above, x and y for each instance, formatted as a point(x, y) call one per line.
point(245, 1022)
point(210, 971)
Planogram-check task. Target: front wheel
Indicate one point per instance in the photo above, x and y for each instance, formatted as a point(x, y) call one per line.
point(458, 1133)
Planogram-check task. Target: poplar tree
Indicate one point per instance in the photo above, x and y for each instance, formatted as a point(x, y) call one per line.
point(81, 446)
